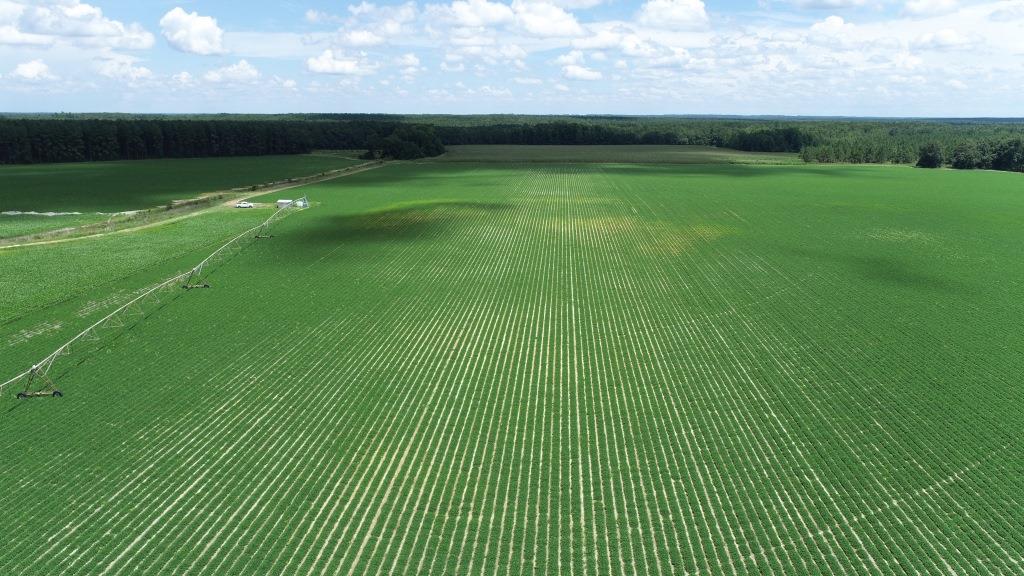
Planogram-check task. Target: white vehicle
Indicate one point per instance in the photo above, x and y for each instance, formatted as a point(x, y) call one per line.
point(244, 204)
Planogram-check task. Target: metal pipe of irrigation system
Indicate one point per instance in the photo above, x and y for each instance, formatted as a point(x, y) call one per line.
point(48, 361)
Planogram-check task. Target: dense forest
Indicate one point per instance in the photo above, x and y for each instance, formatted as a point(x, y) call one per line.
point(405, 142)
point(32, 140)
point(984, 154)
point(960, 143)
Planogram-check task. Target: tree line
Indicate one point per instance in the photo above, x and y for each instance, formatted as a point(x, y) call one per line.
point(990, 144)
point(34, 140)
point(1005, 155)
point(406, 142)
point(985, 143)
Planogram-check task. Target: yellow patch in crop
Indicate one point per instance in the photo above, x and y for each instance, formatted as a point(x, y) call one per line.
point(669, 240)
point(654, 238)
point(922, 241)
point(901, 235)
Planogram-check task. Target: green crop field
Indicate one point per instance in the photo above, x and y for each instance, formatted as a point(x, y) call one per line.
point(37, 276)
point(548, 368)
point(654, 154)
point(136, 184)
point(15, 225)
point(60, 196)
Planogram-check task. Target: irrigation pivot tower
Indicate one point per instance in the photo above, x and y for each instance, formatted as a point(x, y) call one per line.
point(48, 389)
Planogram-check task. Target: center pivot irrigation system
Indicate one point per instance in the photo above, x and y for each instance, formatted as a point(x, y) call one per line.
point(37, 381)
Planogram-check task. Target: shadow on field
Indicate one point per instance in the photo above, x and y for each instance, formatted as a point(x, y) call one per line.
point(890, 271)
point(401, 222)
point(404, 174)
point(884, 269)
point(739, 170)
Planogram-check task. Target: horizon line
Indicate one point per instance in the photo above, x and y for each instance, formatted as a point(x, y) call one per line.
point(533, 115)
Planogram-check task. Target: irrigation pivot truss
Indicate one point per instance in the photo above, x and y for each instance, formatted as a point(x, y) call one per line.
point(194, 277)
point(197, 275)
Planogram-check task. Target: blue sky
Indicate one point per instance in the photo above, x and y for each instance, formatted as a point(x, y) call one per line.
point(798, 57)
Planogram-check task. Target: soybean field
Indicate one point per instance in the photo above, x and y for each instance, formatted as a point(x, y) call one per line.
point(46, 197)
point(545, 368)
point(612, 153)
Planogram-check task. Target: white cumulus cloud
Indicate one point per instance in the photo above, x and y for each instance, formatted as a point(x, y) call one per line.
point(362, 8)
point(944, 39)
point(240, 72)
point(183, 79)
point(475, 13)
point(407, 59)
point(573, 57)
point(10, 35)
point(47, 22)
point(829, 4)
point(286, 84)
point(330, 62)
point(545, 20)
point(384, 20)
point(577, 4)
point(495, 92)
point(361, 38)
point(33, 70)
point(673, 14)
point(577, 72)
point(192, 33)
point(832, 26)
point(512, 52)
point(600, 39)
point(123, 68)
point(929, 7)
point(317, 16)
